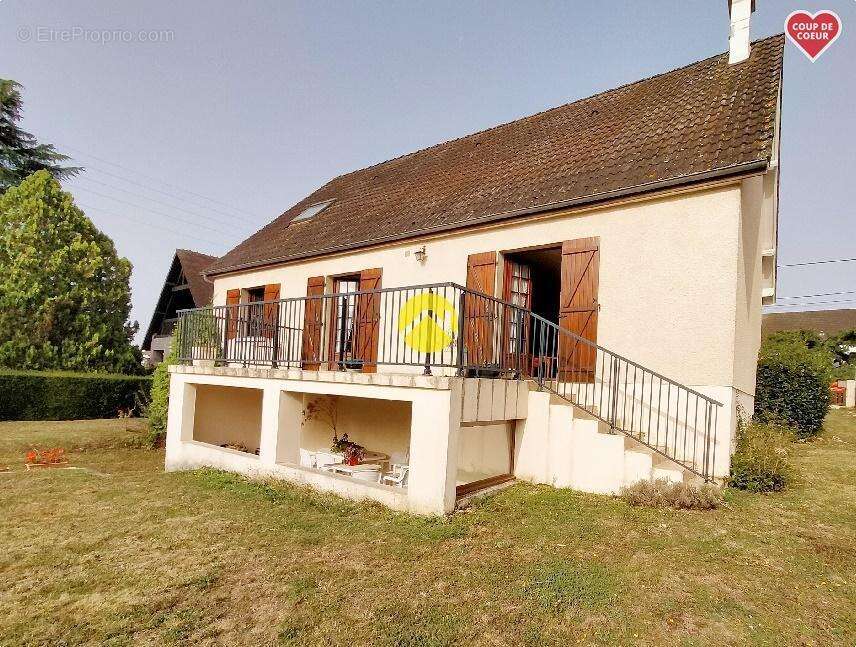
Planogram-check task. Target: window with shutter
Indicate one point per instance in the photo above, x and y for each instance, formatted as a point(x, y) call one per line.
point(578, 309)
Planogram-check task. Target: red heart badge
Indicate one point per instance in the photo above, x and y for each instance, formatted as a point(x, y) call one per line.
point(813, 34)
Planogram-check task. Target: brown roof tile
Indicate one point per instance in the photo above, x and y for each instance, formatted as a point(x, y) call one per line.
point(706, 117)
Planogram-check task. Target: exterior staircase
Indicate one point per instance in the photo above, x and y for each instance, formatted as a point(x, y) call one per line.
point(585, 454)
point(629, 423)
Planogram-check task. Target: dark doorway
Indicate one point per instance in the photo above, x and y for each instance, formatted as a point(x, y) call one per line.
point(532, 280)
point(544, 276)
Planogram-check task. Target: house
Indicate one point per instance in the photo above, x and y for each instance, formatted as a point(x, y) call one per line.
point(184, 287)
point(829, 322)
point(572, 298)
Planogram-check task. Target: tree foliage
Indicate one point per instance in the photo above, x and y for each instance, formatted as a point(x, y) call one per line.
point(792, 384)
point(20, 153)
point(64, 292)
point(836, 348)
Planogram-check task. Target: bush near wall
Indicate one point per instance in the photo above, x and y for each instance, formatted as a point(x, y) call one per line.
point(792, 386)
point(761, 460)
point(35, 395)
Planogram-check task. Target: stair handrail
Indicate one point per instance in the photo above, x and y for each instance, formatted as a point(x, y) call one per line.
point(686, 424)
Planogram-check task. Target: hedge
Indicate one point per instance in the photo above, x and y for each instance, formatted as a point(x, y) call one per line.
point(792, 386)
point(35, 395)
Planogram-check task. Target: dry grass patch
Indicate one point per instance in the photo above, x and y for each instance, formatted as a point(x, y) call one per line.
point(661, 493)
point(207, 558)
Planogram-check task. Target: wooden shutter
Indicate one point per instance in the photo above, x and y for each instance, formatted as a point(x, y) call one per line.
point(233, 298)
point(270, 313)
point(368, 320)
point(578, 309)
point(312, 323)
point(479, 312)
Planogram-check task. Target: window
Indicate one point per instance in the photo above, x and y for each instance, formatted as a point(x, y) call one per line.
point(255, 295)
point(312, 211)
point(520, 294)
point(344, 319)
point(254, 321)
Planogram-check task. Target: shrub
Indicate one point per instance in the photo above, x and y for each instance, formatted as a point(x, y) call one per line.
point(792, 385)
point(33, 395)
point(661, 493)
point(761, 460)
point(160, 403)
point(159, 407)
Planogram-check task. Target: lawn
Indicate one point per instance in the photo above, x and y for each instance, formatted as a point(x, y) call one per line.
point(122, 553)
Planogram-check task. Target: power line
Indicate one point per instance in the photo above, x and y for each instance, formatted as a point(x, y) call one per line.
point(822, 262)
point(159, 213)
point(145, 197)
point(172, 186)
point(172, 231)
point(89, 167)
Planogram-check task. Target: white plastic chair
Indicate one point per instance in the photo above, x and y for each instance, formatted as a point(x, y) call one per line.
point(398, 477)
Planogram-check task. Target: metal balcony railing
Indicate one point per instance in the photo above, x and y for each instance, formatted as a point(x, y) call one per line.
point(450, 328)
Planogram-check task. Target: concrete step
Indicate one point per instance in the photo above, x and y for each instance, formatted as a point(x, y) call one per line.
point(668, 470)
point(637, 467)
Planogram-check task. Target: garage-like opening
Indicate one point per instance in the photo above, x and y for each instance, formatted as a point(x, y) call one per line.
point(228, 417)
point(485, 456)
point(363, 438)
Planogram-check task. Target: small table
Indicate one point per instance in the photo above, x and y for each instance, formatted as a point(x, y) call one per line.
point(370, 472)
point(374, 457)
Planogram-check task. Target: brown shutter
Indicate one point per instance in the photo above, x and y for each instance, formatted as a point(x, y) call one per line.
point(479, 312)
point(368, 320)
point(233, 298)
point(312, 323)
point(270, 310)
point(578, 309)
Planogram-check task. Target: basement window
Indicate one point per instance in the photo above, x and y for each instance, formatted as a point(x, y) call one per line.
point(312, 211)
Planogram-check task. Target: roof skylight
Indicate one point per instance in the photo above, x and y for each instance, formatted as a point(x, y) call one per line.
point(312, 211)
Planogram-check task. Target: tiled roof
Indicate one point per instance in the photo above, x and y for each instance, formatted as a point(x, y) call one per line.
point(193, 264)
point(827, 321)
point(708, 117)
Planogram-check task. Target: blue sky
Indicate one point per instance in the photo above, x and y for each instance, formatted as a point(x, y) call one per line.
point(198, 136)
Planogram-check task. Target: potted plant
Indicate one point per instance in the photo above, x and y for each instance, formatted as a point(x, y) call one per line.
point(203, 329)
point(352, 452)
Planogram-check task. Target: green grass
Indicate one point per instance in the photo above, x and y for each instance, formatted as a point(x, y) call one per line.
point(124, 554)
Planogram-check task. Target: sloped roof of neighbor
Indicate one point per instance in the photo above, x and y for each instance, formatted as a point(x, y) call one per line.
point(194, 264)
point(827, 321)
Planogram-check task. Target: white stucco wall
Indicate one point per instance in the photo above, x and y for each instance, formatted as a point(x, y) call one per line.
point(484, 451)
point(228, 415)
point(434, 419)
point(668, 274)
point(378, 425)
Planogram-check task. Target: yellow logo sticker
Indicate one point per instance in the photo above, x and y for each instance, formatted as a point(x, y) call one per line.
point(429, 322)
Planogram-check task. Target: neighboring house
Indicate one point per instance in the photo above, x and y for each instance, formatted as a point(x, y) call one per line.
point(184, 287)
point(829, 322)
point(572, 298)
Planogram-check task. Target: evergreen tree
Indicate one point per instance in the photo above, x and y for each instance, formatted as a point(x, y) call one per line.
point(20, 153)
point(64, 292)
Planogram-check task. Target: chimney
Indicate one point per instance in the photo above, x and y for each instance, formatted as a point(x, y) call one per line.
point(740, 12)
